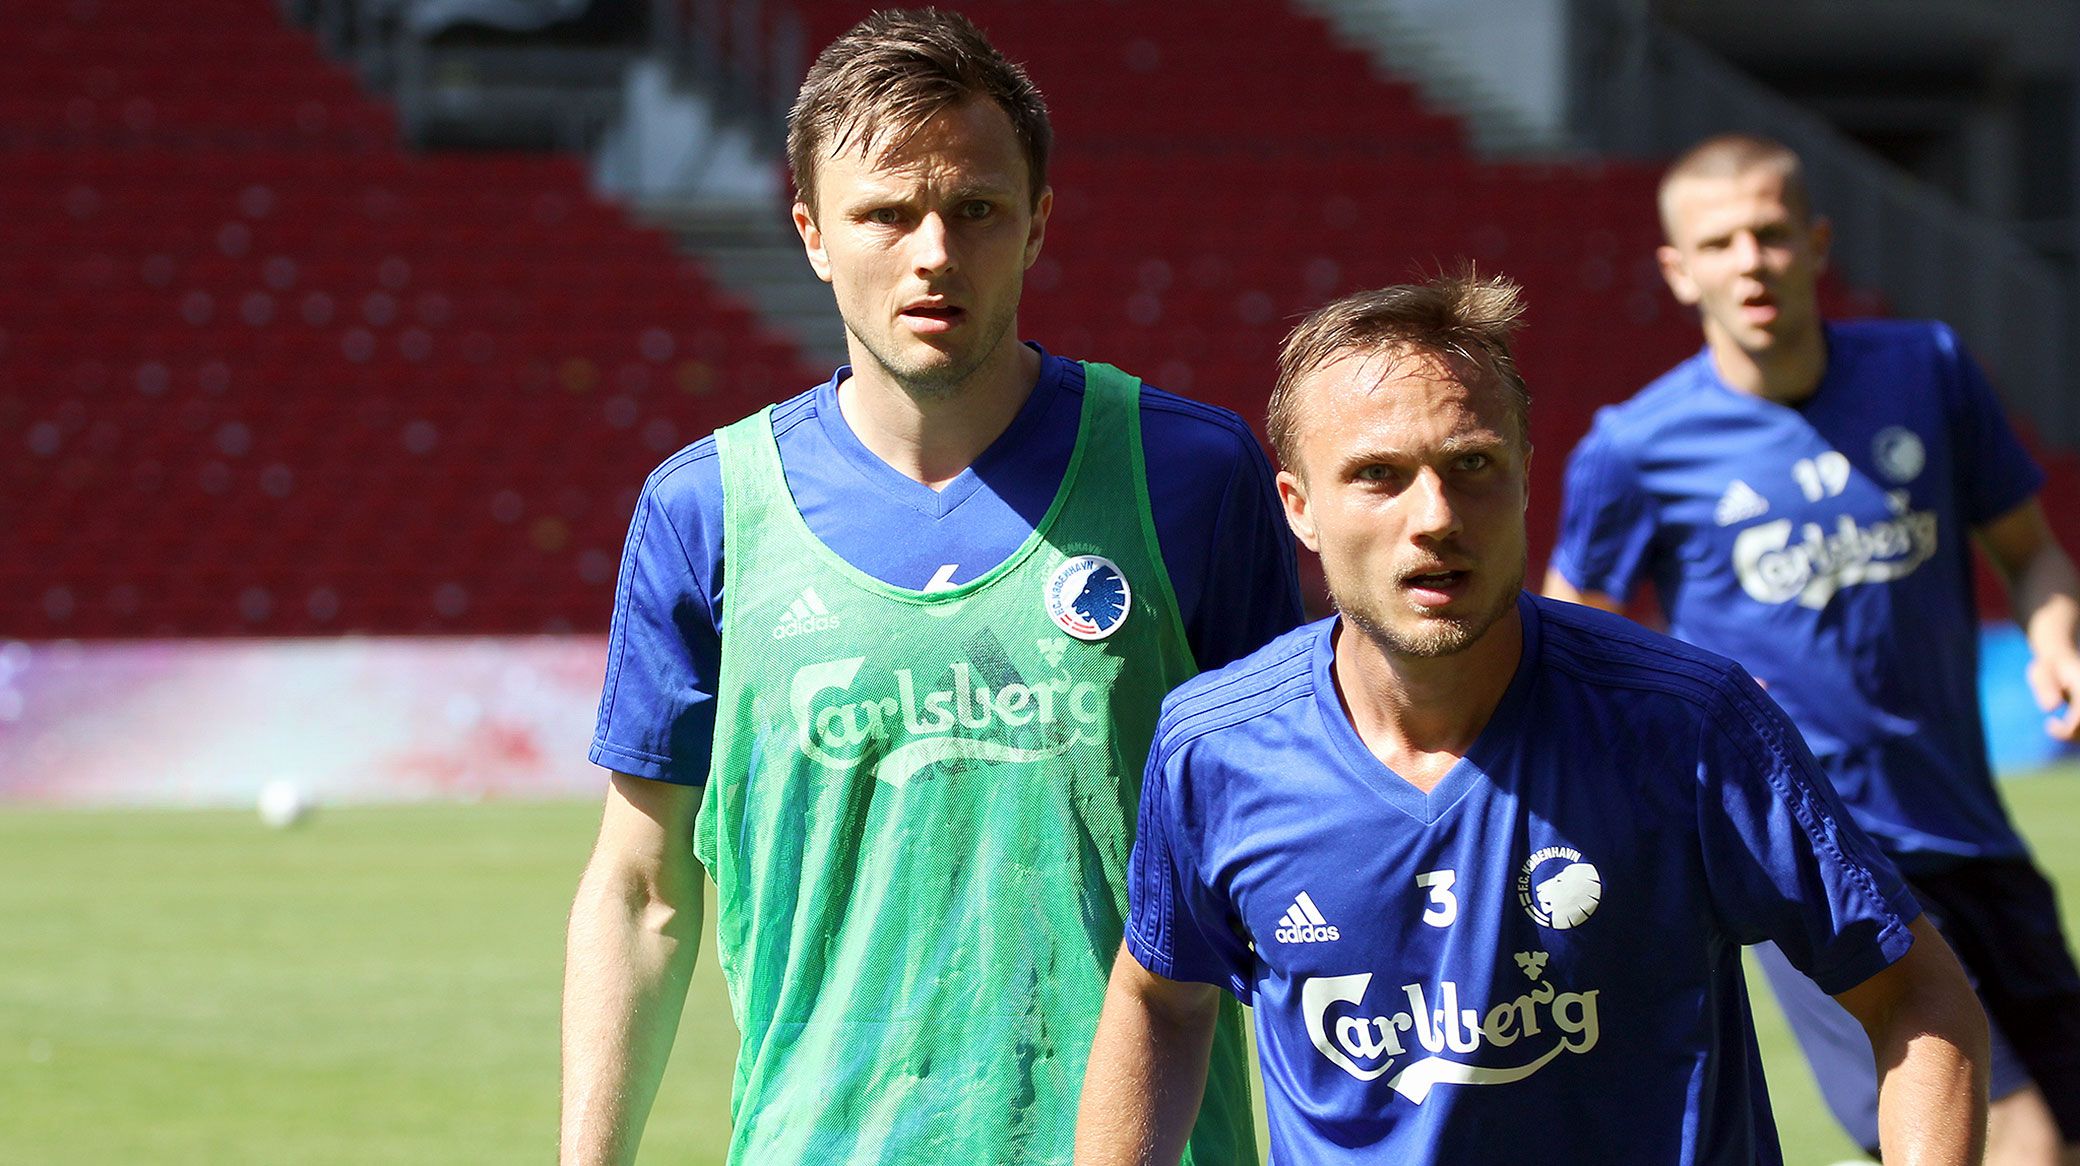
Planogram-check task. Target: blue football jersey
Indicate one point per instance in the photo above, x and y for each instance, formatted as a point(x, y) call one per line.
point(1825, 546)
point(1541, 956)
point(1218, 520)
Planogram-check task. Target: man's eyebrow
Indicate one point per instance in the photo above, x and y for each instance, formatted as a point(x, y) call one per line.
point(1474, 442)
point(983, 186)
point(871, 194)
point(1483, 442)
point(866, 194)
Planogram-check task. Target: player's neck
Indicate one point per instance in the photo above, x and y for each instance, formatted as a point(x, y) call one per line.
point(1787, 372)
point(1419, 715)
point(932, 437)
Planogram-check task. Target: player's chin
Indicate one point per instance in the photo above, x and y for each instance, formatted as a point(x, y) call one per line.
point(938, 354)
point(933, 369)
point(1438, 636)
point(1458, 625)
point(1760, 335)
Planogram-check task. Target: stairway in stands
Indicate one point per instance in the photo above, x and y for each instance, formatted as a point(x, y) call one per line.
point(264, 372)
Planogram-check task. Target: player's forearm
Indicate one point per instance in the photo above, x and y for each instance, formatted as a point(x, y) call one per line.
point(629, 955)
point(1147, 1072)
point(2045, 594)
point(2043, 587)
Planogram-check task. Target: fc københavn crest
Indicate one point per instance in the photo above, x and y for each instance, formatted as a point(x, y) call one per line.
point(1088, 597)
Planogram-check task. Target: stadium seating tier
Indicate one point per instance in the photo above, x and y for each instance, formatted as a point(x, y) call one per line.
point(263, 371)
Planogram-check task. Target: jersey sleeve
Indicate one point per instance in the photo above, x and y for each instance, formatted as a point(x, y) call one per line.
point(1783, 861)
point(1995, 474)
point(664, 653)
point(1251, 578)
point(1178, 924)
point(1606, 519)
point(1220, 527)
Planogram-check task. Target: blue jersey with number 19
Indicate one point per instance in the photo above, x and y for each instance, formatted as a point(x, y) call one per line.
point(1825, 546)
point(1541, 956)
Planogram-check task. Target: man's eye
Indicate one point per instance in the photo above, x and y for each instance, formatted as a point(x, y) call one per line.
point(1373, 473)
point(886, 216)
point(1474, 461)
point(976, 209)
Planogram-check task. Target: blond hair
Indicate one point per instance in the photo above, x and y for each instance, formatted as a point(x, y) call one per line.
point(1735, 155)
point(1460, 316)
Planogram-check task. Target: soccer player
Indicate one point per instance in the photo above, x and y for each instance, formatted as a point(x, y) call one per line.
point(1483, 863)
point(906, 738)
point(1801, 493)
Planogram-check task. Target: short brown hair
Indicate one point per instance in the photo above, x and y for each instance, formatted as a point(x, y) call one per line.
point(1731, 156)
point(891, 73)
point(1461, 316)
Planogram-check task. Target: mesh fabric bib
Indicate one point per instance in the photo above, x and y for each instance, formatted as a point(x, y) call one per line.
point(919, 817)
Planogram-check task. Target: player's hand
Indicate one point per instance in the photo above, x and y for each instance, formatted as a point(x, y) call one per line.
point(2055, 681)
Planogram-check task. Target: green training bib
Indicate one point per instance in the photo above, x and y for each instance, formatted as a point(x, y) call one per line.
point(919, 817)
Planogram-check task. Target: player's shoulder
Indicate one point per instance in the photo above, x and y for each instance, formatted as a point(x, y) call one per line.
point(690, 480)
point(1195, 438)
point(1196, 425)
point(1619, 660)
point(1892, 354)
point(679, 479)
point(1892, 335)
point(1668, 400)
point(1260, 684)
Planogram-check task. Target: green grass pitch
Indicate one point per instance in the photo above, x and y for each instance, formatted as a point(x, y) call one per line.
point(379, 986)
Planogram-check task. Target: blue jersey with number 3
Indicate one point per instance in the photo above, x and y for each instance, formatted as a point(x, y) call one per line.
point(1539, 958)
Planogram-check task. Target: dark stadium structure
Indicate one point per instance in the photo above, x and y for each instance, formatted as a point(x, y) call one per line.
point(265, 370)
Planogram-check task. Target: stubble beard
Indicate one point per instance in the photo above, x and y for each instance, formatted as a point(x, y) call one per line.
point(943, 381)
point(1435, 636)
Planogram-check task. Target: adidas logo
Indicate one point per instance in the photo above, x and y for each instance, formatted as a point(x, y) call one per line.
point(806, 614)
point(1303, 923)
point(1739, 503)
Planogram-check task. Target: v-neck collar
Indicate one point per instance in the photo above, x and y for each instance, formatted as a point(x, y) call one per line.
point(1831, 371)
point(912, 494)
point(1480, 762)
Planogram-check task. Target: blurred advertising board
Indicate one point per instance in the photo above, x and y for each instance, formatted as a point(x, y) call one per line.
point(211, 722)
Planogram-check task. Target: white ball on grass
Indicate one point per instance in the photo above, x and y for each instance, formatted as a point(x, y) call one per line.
point(284, 803)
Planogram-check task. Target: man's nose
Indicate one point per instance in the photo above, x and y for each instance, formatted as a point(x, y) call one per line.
point(1747, 251)
point(1432, 513)
point(931, 246)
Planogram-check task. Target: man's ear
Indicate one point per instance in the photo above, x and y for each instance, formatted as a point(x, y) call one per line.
point(1677, 275)
point(1292, 491)
point(1037, 233)
point(1822, 242)
point(812, 241)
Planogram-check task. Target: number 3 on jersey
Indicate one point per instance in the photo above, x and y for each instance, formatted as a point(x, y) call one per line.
point(1444, 905)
